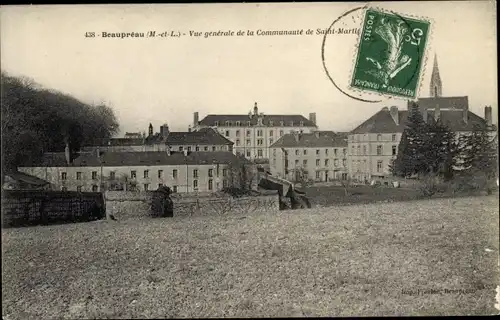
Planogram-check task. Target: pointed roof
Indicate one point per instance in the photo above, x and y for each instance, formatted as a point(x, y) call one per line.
point(435, 79)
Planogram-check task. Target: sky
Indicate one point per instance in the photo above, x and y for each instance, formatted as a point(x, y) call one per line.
point(165, 79)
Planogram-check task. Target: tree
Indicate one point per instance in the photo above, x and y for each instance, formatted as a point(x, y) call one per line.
point(410, 158)
point(242, 175)
point(440, 152)
point(43, 120)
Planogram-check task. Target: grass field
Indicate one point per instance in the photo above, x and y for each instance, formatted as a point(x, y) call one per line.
point(362, 260)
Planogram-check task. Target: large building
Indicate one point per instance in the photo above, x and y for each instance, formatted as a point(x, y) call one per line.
point(317, 156)
point(254, 133)
point(374, 143)
point(205, 139)
point(139, 171)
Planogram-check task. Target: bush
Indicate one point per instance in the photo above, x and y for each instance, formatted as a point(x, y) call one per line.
point(431, 184)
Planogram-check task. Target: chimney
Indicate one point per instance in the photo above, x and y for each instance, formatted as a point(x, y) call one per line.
point(67, 153)
point(312, 117)
point(189, 129)
point(185, 153)
point(394, 114)
point(255, 109)
point(487, 115)
point(150, 129)
point(195, 119)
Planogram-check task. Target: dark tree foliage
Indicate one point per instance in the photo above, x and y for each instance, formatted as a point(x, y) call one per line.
point(37, 120)
point(441, 150)
point(479, 152)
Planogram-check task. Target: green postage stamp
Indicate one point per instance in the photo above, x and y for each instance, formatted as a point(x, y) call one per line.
point(390, 56)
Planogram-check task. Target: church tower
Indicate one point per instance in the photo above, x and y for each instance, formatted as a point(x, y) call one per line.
point(436, 87)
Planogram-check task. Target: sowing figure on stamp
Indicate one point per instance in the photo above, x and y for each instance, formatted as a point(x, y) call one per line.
point(393, 35)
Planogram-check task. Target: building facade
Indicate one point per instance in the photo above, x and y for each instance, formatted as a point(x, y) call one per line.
point(317, 156)
point(373, 145)
point(138, 171)
point(254, 133)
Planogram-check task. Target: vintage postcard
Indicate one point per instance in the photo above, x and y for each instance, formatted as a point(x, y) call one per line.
point(249, 160)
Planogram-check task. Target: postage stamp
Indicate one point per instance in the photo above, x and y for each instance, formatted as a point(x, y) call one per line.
point(390, 54)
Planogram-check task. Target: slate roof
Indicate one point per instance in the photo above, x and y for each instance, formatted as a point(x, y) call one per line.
point(26, 178)
point(310, 140)
point(458, 103)
point(210, 120)
point(382, 121)
point(206, 136)
point(151, 158)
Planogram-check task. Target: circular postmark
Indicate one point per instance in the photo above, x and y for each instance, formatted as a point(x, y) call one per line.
point(340, 54)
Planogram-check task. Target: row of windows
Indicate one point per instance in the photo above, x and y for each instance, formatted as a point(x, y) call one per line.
point(260, 133)
point(318, 162)
point(318, 152)
point(133, 174)
point(249, 123)
point(248, 153)
point(357, 165)
point(380, 150)
point(357, 137)
point(197, 148)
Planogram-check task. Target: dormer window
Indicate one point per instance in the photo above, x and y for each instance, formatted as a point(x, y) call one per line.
point(259, 121)
point(282, 123)
point(216, 123)
point(271, 123)
point(248, 123)
point(302, 123)
point(228, 123)
point(238, 123)
point(291, 123)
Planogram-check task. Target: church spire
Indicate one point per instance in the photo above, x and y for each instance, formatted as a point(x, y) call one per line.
point(436, 87)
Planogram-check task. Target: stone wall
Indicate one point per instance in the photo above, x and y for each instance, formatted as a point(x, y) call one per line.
point(125, 205)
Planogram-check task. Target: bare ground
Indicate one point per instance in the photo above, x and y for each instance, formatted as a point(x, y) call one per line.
point(363, 260)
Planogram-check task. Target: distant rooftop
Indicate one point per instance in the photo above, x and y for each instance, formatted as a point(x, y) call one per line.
point(318, 139)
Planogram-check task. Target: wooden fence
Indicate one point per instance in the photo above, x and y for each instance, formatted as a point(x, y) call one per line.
point(23, 207)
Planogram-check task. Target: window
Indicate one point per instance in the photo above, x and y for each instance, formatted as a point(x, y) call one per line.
point(174, 173)
point(224, 183)
point(210, 172)
point(259, 153)
point(228, 123)
point(195, 184)
point(305, 151)
point(281, 133)
point(205, 148)
point(210, 184)
point(64, 175)
point(379, 137)
point(393, 137)
point(237, 142)
point(197, 148)
point(352, 148)
point(344, 163)
point(216, 123)
point(296, 163)
point(274, 152)
point(271, 123)
point(304, 163)
point(260, 142)
point(271, 133)
point(344, 151)
point(336, 162)
point(94, 175)
point(318, 174)
point(224, 172)
point(259, 133)
point(195, 173)
point(249, 153)
point(181, 148)
point(335, 151)
point(64, 189)
point(227, 133)
point(344, 176)
point(271, 141)
point(394, 150)
point(359, 150)
point(112, 175)
point(317, 162)
point(160, 174)
point(133, 174)
point(79, 188)
point(379, 150)
point(302, 123)
point(146, 186)
point(237, 133)
point(238, 124)
point(174, 188)
point(248, 142)
point(213, 148)
point(160, 185)
point(248, 133)
point(326, 162)
point(146, 174)
point(78, 176)
point(379, 165)
point(94, 188)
